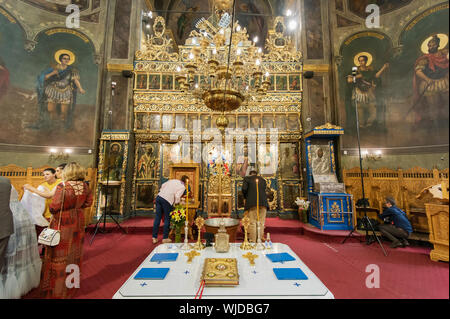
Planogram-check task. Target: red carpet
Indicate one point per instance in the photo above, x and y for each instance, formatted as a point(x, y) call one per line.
point(407, 273)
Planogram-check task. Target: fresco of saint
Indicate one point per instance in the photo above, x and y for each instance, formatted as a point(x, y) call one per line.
point(430, 84)
point(366, 89)
point(57, 87)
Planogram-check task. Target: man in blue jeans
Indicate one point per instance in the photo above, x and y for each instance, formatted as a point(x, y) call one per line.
point(397, 226)
point(169, 194)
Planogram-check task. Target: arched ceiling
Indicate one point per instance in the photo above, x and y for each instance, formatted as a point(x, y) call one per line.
point(255, 15)
point(358, 7)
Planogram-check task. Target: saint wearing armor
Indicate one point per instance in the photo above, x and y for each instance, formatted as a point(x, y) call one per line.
point(431, 84)
point(58, 87)
point(365, 91)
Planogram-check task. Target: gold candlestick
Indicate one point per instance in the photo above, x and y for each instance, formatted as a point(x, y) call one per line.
point(257, 197)
point(259, 245)
point(186, 245)
point(199, 222)
point(246, 245)
point(187, 200)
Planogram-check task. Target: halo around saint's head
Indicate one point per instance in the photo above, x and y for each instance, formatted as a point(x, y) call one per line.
point(116, 144)
point(367, 54)
point(442, 44)
point(149, 147)
point(69, 53)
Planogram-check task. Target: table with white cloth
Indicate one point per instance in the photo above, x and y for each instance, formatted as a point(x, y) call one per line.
point(255, 282)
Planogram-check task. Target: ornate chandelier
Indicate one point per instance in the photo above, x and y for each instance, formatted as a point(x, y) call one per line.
point(219, 65)
point(223, 67)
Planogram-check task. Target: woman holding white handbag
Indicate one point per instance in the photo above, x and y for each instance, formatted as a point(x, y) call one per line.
point(67, 208)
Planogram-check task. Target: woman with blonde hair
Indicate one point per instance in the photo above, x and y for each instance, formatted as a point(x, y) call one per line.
point(67, 208)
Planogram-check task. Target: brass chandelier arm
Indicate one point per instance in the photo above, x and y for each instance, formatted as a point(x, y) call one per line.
point(229, 54)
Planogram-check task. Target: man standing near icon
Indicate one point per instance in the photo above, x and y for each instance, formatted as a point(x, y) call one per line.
point(253, 186)
point(169, 194)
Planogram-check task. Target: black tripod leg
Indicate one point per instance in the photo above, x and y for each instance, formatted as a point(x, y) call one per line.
point(118, 225)
point(96, 230)
point(350, 235)
point(375, 235)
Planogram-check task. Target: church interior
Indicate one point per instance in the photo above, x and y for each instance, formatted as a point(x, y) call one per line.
point(340, 107)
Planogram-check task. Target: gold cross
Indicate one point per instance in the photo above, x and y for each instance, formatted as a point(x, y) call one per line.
point(191, 255)
point(251, 258)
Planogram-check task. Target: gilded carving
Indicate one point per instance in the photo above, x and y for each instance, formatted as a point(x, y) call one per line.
point(158, 47)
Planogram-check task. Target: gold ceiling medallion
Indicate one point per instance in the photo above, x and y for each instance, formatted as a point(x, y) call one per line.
point(158, 47)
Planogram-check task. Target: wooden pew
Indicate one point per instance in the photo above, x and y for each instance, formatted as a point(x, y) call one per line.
point(403, 185)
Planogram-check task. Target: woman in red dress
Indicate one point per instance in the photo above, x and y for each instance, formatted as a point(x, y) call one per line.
point(71, 197)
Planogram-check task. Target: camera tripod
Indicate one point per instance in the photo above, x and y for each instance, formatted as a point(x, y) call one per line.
point(368, 226)
point(365, 202)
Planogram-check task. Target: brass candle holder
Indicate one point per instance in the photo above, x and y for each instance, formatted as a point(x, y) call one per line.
point(246, 245)
point(199, 222)
point(186, 245)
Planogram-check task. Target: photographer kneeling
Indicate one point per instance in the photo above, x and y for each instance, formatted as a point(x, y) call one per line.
point(397, 226)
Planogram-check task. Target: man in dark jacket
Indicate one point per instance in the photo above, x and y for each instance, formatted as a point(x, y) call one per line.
point(397, 226)
point(249, 186)
point(6, 218)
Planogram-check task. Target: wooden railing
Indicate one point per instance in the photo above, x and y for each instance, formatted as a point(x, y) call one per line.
point(403, 185)
point(20, 176)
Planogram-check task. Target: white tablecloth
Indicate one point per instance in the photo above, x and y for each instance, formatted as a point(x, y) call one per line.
point(258, 281)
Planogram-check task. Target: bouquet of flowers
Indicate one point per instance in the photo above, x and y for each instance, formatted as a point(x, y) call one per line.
point(302, 204)
point(177, 221)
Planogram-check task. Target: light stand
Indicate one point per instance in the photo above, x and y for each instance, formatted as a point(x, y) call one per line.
point(105, 212)
point(365, 220)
